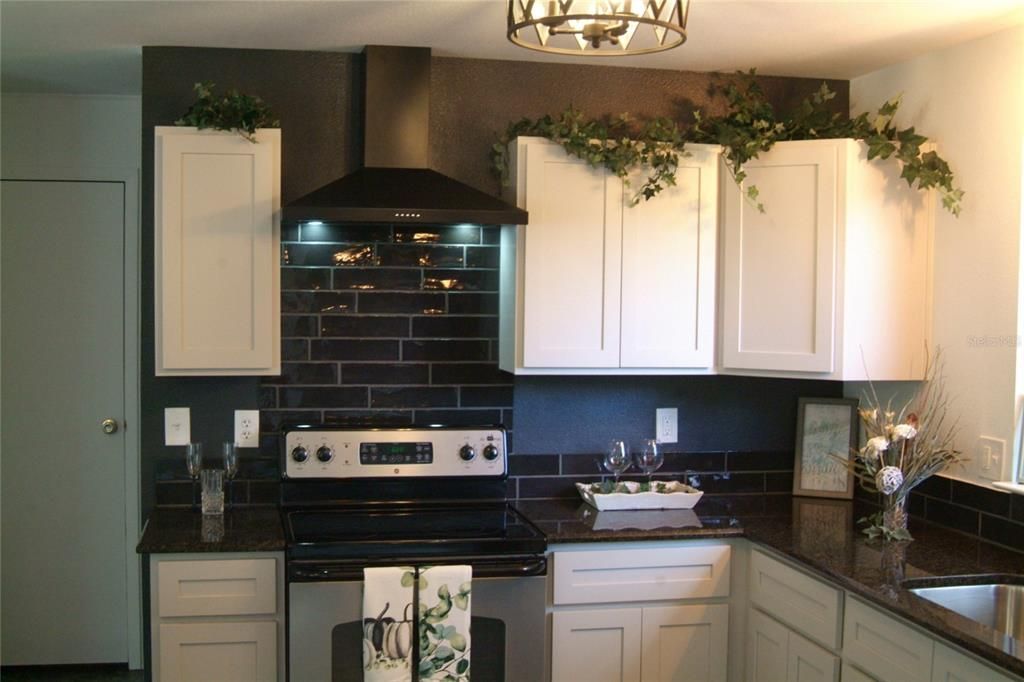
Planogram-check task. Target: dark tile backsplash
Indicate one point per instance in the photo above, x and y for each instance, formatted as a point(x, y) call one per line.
point(994, 515)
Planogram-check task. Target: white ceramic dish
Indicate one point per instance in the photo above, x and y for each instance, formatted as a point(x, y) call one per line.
point(678, 496)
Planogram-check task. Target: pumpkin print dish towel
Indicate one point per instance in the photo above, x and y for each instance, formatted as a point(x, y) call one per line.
point(444, 617)
point(388, 608)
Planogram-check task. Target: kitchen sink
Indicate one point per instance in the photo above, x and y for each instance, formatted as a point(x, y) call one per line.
point(995, 601)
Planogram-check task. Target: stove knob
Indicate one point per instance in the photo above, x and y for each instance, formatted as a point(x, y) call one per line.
point(324, 454)
point(467, 453)
point(490, 453)
point(300, 454)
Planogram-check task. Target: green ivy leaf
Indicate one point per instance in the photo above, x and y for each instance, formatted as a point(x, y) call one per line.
point(458, 642)
point(462, 667)
point(407, 579)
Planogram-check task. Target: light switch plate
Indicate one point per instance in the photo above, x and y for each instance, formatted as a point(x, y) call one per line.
point(666, 426)
point(247, 428)
point(990, 457)
point(177, 426)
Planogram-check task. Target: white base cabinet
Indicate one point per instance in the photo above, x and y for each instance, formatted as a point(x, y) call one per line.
point(801, 283)
point(217, 241)
point(599, 633)
point(777, 654)
point(593, 285)
point(217, 617)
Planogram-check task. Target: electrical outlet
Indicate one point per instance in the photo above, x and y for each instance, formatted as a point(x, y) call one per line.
point(991, 452)
point(177, 426)
point(666, 424)
point(247, 428)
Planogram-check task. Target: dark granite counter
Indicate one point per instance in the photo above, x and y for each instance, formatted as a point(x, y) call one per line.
point(245, 529)
point(821, 535)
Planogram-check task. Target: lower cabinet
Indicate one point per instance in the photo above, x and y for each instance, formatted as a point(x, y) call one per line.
point(651, 644)
point(777, 654)
point(598, 635)
point(217, 617)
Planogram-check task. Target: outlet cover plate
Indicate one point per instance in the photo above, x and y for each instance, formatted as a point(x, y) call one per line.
point(177, 426)
point(247, 428)
point(990, 457)
point(666, 424)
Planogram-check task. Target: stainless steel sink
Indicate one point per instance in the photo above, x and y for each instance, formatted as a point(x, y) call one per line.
point(998, 603)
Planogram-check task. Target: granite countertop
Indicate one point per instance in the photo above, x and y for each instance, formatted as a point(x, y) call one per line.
point(821, 535)
point(245, 529)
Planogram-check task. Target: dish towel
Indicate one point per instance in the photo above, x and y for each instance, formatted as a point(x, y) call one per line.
point(388, 617)
point(444, 617)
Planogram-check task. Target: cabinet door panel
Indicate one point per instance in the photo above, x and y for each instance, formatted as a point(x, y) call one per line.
point(951, 666)
point(685, 643)
point(597, 646)
point(885, 647)
point(218, 652)
point(217, 261)
point(225, 587)
point(668, 268)
point(795, 598)
point(780, 266)
point(767, 642)
point(572, 261)
point(808, 662)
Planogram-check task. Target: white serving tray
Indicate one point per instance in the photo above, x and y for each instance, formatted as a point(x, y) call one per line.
point(680, 496)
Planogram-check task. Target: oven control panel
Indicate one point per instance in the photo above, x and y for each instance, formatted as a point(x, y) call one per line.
point(382, 453)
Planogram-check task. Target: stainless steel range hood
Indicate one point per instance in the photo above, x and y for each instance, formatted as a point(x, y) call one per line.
point(396, 185)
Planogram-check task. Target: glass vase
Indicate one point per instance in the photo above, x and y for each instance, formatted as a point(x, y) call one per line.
point(894, 515)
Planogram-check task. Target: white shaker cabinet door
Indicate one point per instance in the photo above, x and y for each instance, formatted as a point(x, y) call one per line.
point(767, 646)
point(596, 645)
point(217, 201)
point(668, 268)
point(218, 652)
point(685, 643)
point(779, 267)
point(571, 260)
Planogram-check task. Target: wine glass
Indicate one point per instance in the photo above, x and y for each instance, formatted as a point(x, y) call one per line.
point(230, 450)
point(650, 458)
point(616, 458)
point(194, 462)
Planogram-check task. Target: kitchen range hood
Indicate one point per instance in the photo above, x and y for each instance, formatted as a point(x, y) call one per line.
point(395, 184)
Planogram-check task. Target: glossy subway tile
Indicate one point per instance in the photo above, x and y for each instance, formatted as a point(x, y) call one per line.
point(345, 232)
point(450, 326)
point(485, 396)
point(318, 396)
point(441, 234)
point(368, 418)
point(460, 280)
point(328, 255)
point(455, 349)
point(407, 303)
point(322, 302)
point(420, 255)
point(381, 373)
point(475, 373)
point(378, 279)
point(413, 396)
point(305, 278)
point(364, 326)
point(353, 349)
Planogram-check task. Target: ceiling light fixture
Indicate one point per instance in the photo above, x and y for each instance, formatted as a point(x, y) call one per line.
point(597, 27)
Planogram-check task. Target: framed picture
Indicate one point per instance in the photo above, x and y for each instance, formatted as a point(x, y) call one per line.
point(824, 427)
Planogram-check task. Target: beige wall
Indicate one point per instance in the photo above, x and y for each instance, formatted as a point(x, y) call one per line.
point(970, 100)
point(60, 131)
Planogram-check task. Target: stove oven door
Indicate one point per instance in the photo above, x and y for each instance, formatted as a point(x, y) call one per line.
point(508, 630)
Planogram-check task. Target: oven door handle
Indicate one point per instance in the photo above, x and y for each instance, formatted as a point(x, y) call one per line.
point(321, 571)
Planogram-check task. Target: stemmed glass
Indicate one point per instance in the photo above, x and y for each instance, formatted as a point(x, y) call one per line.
point(616, 459)
point(230, 450)
point(194, 462)
point(650, 458)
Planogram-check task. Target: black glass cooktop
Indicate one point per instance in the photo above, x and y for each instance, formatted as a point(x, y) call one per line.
point(412, 531)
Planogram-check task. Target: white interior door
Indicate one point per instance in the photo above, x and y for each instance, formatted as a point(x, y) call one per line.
point(63, 478)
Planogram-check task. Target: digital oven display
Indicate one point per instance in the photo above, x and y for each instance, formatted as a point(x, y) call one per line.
point(396, 453)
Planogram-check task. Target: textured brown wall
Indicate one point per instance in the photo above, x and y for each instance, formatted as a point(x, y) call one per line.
point(472, 100)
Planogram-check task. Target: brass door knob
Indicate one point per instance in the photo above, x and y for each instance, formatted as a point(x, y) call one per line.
point(109, 426)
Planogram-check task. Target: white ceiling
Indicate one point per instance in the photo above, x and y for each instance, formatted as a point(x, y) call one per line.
point(95, 46)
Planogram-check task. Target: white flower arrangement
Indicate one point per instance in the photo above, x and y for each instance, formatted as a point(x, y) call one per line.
point(904, 448)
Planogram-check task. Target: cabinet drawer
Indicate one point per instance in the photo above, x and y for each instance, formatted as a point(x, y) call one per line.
point(605, 576)
point(226, 587)
point(218, 652)
point(803, 603)
point(884, 647)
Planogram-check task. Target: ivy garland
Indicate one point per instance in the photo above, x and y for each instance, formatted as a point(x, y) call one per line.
point(749, 128)
point(231, 111)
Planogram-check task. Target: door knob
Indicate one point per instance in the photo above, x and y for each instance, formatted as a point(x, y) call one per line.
point(109, 426)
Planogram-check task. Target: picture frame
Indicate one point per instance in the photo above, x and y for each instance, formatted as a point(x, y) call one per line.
point(824, 426)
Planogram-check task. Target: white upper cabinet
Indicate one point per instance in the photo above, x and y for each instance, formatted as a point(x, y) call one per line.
point(832, 281)
point(217, 209)
point(593, 285)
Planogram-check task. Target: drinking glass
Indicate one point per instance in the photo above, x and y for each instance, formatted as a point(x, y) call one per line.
point(213, 491)
point(650, 458)
point(616, 458)
point(230, 450)
point(194, 463)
